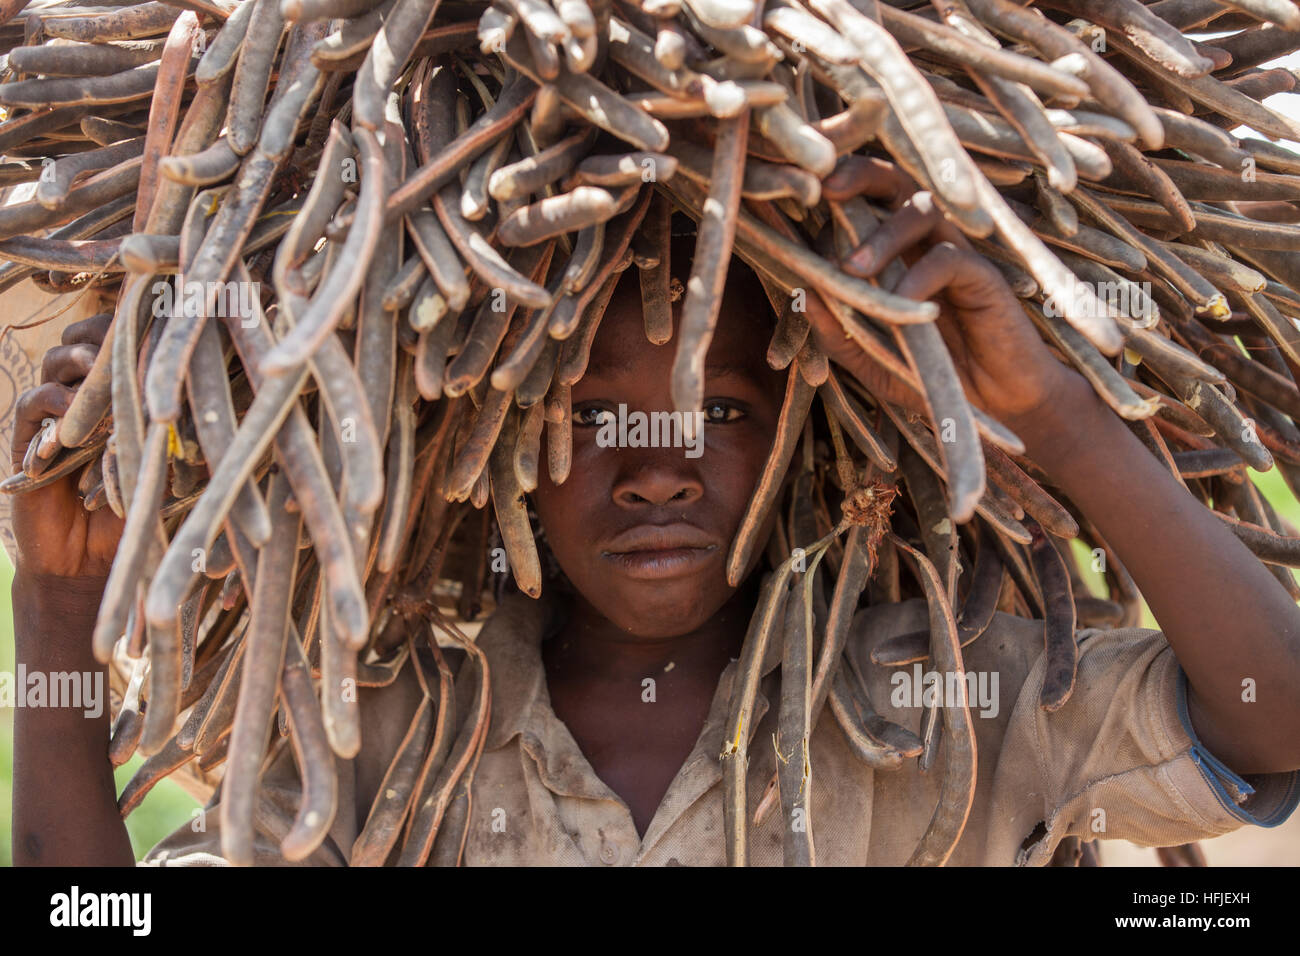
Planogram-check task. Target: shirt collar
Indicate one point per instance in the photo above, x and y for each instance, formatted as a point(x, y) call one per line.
point(512, 637)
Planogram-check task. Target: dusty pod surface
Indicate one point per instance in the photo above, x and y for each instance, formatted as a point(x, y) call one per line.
point(356, 254)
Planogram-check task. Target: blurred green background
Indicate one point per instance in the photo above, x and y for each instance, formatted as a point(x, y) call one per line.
point(168, 806)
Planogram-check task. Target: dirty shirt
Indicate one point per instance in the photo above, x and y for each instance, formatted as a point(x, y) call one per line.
point(1120, 760)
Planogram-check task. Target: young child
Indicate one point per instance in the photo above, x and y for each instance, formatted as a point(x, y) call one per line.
point(610, 693)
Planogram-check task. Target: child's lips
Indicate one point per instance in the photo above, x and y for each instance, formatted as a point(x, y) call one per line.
point(662, 563)
point(657, 552)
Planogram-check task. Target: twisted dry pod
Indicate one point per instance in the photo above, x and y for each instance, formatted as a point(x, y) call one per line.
point(423, 208)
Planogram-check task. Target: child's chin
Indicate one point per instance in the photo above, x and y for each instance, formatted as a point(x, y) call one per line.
point(665, 608)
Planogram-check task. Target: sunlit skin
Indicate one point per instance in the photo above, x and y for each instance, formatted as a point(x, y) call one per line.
point(643, 534)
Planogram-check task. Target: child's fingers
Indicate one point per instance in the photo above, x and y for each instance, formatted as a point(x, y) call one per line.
point(866, 176)
point(91, 330)
point(916, 219)
point(68, 364)
point(970, 281)
point(50, 400)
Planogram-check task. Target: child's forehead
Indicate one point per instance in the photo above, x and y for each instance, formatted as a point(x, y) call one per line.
point(738, 347)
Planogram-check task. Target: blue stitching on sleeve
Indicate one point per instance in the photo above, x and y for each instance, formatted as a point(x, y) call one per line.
point(1220, 777)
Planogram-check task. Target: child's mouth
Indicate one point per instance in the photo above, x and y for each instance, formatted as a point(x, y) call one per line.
point(657, 552)
point(663, 563)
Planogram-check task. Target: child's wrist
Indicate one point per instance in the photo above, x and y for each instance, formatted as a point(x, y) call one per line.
point(1053, 425)
point(50, 612)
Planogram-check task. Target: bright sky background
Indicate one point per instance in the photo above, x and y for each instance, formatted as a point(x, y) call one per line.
point(1286, 103)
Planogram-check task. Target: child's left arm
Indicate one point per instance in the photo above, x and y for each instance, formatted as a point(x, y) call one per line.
point(1226, 618)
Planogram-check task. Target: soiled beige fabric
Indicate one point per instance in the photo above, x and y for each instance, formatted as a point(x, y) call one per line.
point(1116, 762)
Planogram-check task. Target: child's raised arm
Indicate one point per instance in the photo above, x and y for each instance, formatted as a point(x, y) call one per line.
point(1225, 616)
point(65, 805)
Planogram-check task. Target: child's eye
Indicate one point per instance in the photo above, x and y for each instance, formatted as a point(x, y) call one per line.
point(591, 416)
point(719, 412)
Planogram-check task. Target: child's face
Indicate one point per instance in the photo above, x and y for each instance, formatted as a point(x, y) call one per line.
point(643, 532)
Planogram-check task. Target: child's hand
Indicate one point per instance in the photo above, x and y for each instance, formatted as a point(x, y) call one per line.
point(1005, 366)
point(56, 536)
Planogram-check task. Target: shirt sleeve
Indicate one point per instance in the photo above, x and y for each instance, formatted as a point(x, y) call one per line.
point(198, 842)
point(1120, 759)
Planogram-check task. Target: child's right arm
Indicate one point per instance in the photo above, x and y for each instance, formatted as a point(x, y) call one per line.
point(65, 804)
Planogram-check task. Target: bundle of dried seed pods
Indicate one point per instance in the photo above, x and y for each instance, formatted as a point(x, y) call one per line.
point(432, 201)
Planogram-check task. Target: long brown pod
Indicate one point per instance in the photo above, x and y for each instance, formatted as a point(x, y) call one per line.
point(340, 712)
point(924, 443)
point(576, 316)
point(222, 52)
point(396, 42)
point(334, 538)
point(853, 712)
point(253, 74)
point(1265, 543)
point(851, 416)
point(709, 266)
point(973, 620)
point(1109, 384)
point(444, 730)
point(491, 323)
point(794, 724)
point(136, 83)
point(128, 725)
point(165, 108)
point(1061, 654)
point(263, 662)
point(512, 511)
point(439, 257)
point(958, 790)
point(340, 287)
point(165, 761)
point(382, 828)
point(208, 392)
point(530, 175)
point(165, 653)
point(486, 262)
point(794, 411)
point(21, 219)
point(211, 266)
point(83, 59)
point(432, 803)
point(473, 457)
point(857, 566)
point(1158, 40)
point(912, 100)
point(778, 255)
point(57, 179)
point(589, 308)
point(595, 101)
point(735, 750)
point(143, 533)
point(273, 403)
point(312, 753)
point(399, 469)
point(1027, 493)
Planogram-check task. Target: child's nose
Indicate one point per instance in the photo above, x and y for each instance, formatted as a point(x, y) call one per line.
point(658, 480)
